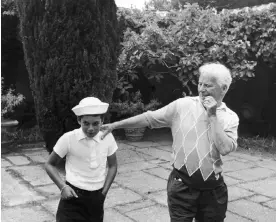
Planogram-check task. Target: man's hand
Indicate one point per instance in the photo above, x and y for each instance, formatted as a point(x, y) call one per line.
point(211, 105)
point(68, 193)
point(106, 128)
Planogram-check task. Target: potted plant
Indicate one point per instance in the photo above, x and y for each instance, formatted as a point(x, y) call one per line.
point(9, 100)
point(132, 107)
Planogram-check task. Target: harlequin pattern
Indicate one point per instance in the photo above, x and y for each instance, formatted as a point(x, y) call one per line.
point(192, 144)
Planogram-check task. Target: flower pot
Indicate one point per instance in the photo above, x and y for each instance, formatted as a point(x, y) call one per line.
point(7, 126)
point(134, 134)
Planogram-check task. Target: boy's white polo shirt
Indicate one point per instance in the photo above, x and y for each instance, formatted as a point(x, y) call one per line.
point(86, 159)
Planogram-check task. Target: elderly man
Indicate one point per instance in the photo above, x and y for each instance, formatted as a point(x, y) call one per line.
point(203, 129)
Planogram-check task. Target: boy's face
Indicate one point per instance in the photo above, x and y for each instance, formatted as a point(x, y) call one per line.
point(90, 125)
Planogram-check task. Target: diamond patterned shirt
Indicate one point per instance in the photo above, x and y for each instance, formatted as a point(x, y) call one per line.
point(192, 142)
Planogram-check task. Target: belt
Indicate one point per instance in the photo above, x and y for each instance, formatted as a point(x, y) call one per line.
point(81, 191)
point(209, 185)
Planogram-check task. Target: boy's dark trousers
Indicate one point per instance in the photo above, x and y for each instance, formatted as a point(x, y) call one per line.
point(88, 207)
point(186, 203)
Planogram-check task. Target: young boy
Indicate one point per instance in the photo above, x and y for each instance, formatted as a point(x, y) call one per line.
point(87, 177)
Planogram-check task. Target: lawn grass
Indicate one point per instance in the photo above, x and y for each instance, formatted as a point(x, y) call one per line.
point(265, 146)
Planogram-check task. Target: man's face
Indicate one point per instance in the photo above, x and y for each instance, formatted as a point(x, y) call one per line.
point(90, 125)
point(208, 86)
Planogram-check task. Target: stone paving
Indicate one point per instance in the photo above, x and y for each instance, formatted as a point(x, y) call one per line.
point(139, 191)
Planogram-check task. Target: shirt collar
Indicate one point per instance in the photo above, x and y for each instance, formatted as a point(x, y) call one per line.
point(222, 106)
point(80, 136)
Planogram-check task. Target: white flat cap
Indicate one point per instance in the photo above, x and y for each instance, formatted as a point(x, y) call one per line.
point(90, 106)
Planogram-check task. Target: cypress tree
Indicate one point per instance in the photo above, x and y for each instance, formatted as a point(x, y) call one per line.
point(70, 53)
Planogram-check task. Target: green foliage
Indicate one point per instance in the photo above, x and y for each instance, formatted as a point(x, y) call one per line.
point(259, 144)
point(181, 41)
point(133, 106)
point(9, 100)
point(29, 135)
point(8, 7)
point(10, 45)
point(9, 20)
point(218, 4)
point(70, 53)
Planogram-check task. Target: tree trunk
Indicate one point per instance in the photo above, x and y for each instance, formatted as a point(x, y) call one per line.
point(70, 53)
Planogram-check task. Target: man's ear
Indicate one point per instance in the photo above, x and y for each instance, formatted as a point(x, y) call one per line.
point(224, 88)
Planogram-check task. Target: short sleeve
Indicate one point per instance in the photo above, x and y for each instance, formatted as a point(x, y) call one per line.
point(112, 146)
point(162, 117)
point(62, 145)
point(232, 129)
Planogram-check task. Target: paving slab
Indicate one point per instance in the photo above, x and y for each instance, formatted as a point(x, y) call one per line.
point(143, 203)
point(119, 196)
point(265, 187)
point(143, 144)
point(245, 156)
point(269, 164)
point(49, 191)
point(157, 161)
point(139, 191)
point(234, 165)
point(113, 215)
point(227, 158)
point(160, 172)
point(150, 214)
point(165, 142)
point(51, 206)
point(259, 198)
point(130, 156)
point(167, 148)
point(114, 185)
point(13, 192)
point(160, 197)
point(137, 166)
point(253, 211)
point(27, 214)
point(271, 204)
point(256, 173)
point(230, 217)
point(243, 160)
point(156, 153)
point(5, 163)
point(35, 175)
point(18, 160)
point(230, 181)
point(38, 156)
point(123, 146)
point(167, 165)
point(235, 193)
point(34, 149)
point(141, 182)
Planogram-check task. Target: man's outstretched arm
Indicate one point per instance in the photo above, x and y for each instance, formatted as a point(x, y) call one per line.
point(132, 122)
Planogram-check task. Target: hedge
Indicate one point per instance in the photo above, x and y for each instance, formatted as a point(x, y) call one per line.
point(181, 41)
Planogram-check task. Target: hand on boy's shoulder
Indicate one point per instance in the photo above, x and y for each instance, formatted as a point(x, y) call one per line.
point(106, 129)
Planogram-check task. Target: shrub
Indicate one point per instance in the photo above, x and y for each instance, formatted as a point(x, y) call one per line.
point(133, 106)
point(9, 100)
point(70, 53)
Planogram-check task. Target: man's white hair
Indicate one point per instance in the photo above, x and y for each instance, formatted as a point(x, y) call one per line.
point(219, 71)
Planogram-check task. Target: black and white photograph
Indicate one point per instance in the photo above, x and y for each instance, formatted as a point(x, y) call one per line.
point(138, 110)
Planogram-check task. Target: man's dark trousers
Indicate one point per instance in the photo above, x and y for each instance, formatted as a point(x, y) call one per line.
point(186, 203)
